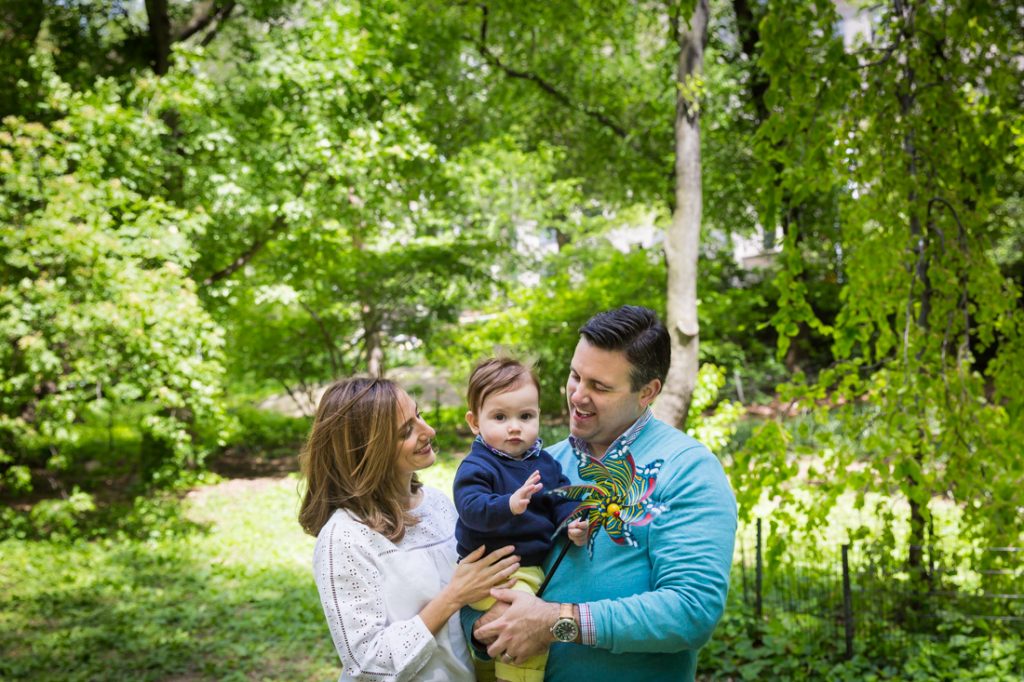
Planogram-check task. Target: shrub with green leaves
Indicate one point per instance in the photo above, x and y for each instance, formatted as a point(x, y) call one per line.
point(97, 308)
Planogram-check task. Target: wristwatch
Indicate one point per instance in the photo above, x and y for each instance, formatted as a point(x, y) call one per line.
point(565, 629)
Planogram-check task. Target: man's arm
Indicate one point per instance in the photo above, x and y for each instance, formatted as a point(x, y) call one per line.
point(523, 629)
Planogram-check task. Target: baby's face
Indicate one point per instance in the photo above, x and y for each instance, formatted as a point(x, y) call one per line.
point(509, 421)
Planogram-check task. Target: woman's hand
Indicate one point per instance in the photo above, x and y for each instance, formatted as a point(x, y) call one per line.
point(472, 581)
point(476, 574)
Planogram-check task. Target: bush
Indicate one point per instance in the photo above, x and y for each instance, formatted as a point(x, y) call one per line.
point(60, 517)
point(267, 433)
point(453, 433)
point(744, 649)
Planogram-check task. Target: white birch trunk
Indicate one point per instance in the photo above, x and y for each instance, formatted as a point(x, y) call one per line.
point(683, 238)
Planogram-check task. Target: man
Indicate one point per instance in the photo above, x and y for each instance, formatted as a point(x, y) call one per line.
point(629, 613)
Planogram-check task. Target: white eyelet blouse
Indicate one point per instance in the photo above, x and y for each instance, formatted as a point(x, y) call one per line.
point(372, 591)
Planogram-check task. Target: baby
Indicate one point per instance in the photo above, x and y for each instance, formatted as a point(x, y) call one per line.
point(495, 485)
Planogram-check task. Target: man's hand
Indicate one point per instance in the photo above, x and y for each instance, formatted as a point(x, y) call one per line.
point(578, 532)
point(523, 630)
point(520, 499)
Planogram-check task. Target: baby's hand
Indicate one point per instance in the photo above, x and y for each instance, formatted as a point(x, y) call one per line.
point(578, 532)
point(520, 499)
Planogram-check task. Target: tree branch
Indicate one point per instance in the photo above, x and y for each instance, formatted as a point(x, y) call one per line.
point(591, 112)
point(329, 344)
point(238, 263)
point(222, 16)
point(300, 404)
point(276, 227)
point(200, 21)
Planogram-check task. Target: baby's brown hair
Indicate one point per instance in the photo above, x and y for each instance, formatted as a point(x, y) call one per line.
point(496, 375)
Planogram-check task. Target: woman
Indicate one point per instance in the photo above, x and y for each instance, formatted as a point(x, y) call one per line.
point(385, 560)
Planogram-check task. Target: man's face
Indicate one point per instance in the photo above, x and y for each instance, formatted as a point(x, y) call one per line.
point(602, 403)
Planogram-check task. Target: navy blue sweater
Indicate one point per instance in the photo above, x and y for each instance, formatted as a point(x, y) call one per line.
point(483, 485)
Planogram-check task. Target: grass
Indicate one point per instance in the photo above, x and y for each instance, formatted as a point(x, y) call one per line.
point(218, 588)
point(228, 596)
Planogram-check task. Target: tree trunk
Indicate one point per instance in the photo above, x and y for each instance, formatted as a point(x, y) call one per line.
point(160, 34)
point(683, 238)
point(920, 235)
point(372, 343)
point(374, 354)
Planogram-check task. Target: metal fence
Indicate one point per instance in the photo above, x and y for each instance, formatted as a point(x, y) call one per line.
point(860, 594)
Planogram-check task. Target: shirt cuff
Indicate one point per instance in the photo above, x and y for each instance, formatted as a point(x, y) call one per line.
point(469, 617)
point(588, 634)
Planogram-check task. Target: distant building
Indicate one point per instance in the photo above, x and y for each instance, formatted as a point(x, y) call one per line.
point(756, 250)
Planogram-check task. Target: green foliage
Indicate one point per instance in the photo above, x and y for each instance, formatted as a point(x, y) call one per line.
point(711, 421)
point(324, 185)
point(265, 432)
point(603, 60)
point(94, 289)
point(453, 433)
point(801, 635)
point(19, 79)
point(59, 517)
point(735, 306)
point(745, 649)
point(917, 134)
point(82, 516)
point(541, 322)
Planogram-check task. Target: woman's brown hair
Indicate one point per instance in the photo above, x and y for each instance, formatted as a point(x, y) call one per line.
point(349, 459)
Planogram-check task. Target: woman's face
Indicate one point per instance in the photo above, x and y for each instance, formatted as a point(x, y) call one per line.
point(415, 447)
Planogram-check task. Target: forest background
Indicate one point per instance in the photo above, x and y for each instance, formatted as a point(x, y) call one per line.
point(204, 205)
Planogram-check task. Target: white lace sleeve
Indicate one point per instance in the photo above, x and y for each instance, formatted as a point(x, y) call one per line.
point(349, 580)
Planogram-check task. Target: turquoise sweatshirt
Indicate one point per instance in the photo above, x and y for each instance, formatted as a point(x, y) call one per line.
point(653, 606)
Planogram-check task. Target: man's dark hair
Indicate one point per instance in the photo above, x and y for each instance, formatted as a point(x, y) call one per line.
point(637, 332)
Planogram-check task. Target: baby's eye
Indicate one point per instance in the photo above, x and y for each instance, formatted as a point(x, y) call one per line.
point(499, 417)
point(526, 416)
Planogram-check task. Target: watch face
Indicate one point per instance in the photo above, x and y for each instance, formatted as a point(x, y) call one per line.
point(565, 630)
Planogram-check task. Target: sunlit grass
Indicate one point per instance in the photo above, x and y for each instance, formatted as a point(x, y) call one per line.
point(232, 598)
point(226, 594)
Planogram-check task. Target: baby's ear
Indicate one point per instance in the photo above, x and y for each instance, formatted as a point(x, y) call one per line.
point(473, 425)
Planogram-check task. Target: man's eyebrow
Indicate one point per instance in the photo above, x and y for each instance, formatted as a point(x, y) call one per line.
point(597, 382)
